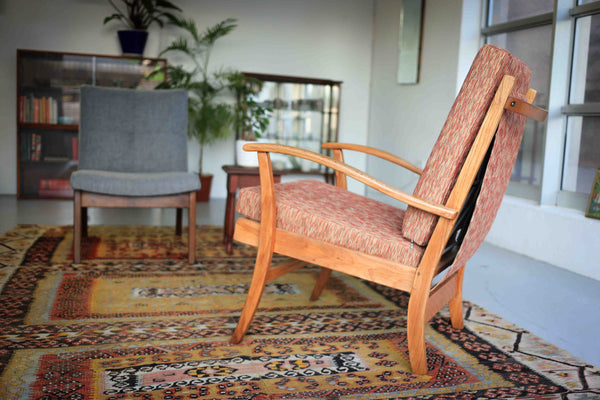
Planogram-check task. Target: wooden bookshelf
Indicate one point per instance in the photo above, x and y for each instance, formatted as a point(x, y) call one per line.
point(48, 87)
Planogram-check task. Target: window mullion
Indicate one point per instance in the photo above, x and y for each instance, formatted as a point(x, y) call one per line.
point(557, 98)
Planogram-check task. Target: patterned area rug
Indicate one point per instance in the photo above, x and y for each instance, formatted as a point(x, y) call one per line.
point(135, 321)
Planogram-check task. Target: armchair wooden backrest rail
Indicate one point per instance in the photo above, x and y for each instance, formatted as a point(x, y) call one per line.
point(264, 231)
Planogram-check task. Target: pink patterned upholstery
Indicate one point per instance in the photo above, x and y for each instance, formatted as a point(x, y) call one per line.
point(499, 169)
point(458, 133)
point(337, 216)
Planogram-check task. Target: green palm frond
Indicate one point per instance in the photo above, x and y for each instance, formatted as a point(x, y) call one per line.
point(167, 4)
point(211, 34)
point(179, 44)
point(189, 26)
point(250, 118)
point(208, 122)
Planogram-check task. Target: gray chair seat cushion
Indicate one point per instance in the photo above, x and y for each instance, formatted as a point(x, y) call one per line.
point(134, 183)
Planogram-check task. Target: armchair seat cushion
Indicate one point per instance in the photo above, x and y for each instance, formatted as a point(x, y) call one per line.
point(337, 216)
point(134, 184)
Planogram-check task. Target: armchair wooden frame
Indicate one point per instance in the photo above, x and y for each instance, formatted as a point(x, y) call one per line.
point(425, 299)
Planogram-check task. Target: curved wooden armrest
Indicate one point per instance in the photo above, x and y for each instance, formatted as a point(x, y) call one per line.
point(425, 205)
point(374, 152)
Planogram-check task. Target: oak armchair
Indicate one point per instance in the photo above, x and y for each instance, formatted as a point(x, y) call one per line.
point(448, 215)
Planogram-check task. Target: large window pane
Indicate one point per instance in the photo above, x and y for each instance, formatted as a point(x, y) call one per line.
point(509, 10)
point(528, 166)
point(582, 2)
point(582, 147)
point(533, 47)
point(585, 83)
point(582, 154)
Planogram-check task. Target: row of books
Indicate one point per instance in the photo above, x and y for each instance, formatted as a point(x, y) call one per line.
point(43, 110)
point(31, 149)
point(55, 187)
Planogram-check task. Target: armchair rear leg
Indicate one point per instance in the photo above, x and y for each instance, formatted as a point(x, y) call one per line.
point(455, 303)
point(320, 284)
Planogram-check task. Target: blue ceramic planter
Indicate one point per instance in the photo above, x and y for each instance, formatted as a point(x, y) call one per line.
point(133, 42)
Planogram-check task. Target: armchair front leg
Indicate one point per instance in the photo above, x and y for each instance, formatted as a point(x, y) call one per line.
point(265, 247)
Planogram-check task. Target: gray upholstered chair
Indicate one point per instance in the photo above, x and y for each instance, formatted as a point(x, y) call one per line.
point(133, 153)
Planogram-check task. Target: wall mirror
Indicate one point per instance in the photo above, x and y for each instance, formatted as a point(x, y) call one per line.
point(409, 42)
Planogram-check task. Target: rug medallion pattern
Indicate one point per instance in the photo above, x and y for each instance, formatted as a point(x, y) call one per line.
point(135, 321)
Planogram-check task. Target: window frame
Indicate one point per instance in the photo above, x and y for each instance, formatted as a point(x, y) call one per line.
point(563, 21)
point(516, 188)
point(567, 198)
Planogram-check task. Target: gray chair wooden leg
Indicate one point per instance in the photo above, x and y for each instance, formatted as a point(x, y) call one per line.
point(84, 221)
point(192, 228)
point(77, 226)
point(178, 222)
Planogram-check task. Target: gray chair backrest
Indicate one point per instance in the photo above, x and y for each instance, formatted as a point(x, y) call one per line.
point(126, 130)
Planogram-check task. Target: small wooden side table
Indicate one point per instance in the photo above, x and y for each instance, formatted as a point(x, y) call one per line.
point(237, 178)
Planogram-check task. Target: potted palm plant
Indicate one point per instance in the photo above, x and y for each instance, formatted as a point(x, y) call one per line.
point(250, 119)
point(209, 119)
point(138, 15)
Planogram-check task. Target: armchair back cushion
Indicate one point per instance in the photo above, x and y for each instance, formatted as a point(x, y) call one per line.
point(116, 137)
point(457, 136)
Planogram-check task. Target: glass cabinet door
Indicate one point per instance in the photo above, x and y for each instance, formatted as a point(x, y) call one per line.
point(304, 114)
point(127, 73)
point(48, 86)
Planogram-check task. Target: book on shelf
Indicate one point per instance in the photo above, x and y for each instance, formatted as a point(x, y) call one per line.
point(37, 149)
point(75, 148)
point(55, 184)
point(36, 111)
point(54, 116)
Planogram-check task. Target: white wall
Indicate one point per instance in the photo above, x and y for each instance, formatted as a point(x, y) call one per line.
point(407, 119)
point(558, 236)
point(321, 39)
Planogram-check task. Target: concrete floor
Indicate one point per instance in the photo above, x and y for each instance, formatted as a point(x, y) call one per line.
point(557, 305)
